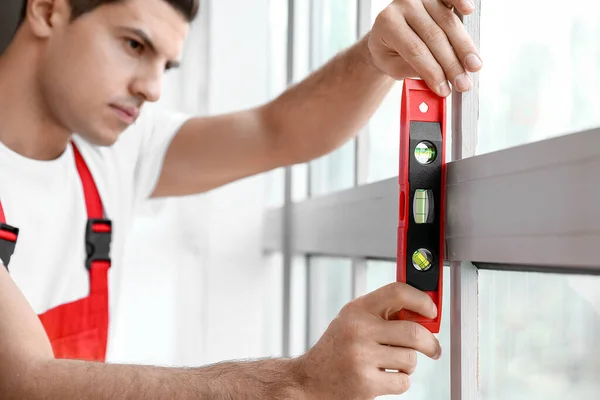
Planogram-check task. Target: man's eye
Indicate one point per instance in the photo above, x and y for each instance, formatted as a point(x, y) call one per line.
point(135, 45)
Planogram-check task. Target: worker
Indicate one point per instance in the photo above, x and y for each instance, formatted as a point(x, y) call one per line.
point(79, 152)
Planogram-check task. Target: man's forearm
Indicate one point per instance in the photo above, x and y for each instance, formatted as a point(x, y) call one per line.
point(65, 379)
point(330, 106)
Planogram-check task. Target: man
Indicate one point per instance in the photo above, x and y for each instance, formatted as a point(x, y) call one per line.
point(88, 67)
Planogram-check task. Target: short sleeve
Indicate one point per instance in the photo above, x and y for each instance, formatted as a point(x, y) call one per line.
point(155, 129)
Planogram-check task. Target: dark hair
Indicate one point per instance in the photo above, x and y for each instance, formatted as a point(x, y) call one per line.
point(187, 8)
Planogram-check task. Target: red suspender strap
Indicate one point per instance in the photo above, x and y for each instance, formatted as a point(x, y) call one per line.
point(8, 239)
point(98, 230)
point(5, 232)
point(90, 191)
point(80, 329)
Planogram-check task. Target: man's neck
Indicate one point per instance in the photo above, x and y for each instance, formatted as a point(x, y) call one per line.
point(26, 125)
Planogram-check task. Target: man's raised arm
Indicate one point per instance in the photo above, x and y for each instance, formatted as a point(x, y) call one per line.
point(410, 38)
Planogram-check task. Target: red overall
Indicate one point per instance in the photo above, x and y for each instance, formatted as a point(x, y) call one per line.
point(78, 330)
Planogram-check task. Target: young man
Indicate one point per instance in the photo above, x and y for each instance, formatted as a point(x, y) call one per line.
point(88, 67)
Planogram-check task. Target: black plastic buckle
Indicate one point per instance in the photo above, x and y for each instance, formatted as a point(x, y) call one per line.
point(7, 244)
point(98, 236)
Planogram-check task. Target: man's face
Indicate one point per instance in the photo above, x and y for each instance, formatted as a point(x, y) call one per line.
point(98, 70)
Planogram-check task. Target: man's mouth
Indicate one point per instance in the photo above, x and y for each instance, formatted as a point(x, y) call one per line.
point(125, 113)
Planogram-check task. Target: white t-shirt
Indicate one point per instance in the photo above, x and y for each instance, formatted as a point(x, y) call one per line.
point(44, 199)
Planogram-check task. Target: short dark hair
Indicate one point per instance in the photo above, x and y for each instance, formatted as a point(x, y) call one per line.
point(187, 8)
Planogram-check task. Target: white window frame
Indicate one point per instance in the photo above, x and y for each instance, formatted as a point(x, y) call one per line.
point(484, 216)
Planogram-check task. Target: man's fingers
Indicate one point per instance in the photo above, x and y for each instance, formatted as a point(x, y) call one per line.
point(426, 38)
point(393, 297)
point(465, 7)
point(396, 358)
point(409, 334)
point(402, 39)
point(391, 383)
point(456, 33)
point(439, 45)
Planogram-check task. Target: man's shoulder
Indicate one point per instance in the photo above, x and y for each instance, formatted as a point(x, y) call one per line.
point(134, 161)
point(154, 119)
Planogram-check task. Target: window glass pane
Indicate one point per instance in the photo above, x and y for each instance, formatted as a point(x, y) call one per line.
point(540, 77)
point(273, 304)
point(275, 187)
point(330, 289)
point(334, 29)
point(377, 6)
point(277, 46)
point(298, 306)
point(301, 69)
point(299, 182)
point(335, 24)
point(539, 336)
point(277, 54)
point(334, 171)
point(380, 273)
point(302, 50)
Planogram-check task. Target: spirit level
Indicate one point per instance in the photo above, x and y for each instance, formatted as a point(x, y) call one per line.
point(422, 179)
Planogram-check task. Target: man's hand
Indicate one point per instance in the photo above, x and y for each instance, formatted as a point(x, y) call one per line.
point(425, 39)
point(365, 340)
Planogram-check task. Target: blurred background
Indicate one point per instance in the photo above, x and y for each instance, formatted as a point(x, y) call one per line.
point(208, 292)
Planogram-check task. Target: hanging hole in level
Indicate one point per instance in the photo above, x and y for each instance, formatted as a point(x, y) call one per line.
point(423, 107)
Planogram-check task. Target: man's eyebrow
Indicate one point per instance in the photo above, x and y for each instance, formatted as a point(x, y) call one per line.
point(148, 43)
point(143, 37)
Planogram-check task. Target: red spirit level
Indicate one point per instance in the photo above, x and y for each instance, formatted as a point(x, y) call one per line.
point(422, 180)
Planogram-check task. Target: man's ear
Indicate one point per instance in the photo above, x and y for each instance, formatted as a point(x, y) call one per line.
point(43, 16)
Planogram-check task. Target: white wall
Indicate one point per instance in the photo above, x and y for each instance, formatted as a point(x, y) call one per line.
point(205, 293)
